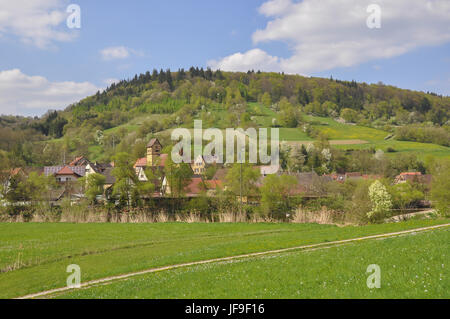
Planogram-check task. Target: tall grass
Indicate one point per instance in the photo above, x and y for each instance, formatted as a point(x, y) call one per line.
point(86, 214)
point(322, 216)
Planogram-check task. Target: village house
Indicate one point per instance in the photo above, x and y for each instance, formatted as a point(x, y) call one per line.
point(198, 166)
point(413, 177)
point(68, 175)
point(308, 183)
point(155, 162)
point(65, 173)
point(193, 189)
point(212, 186)
point(98, 168)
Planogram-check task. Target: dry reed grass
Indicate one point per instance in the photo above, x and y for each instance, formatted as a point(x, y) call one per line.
point(88, 214)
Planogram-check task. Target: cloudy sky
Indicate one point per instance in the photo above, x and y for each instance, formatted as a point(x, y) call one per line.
point(44, 64)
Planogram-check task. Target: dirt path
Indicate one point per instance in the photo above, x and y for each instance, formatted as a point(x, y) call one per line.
point(195, 263)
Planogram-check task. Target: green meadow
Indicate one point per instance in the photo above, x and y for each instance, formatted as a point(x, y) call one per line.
point(411, 266)
point(34, 256)
point(339, 131)
point(422, 150)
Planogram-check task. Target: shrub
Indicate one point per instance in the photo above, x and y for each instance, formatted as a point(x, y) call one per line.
point(404, 195)
point(440, 187)
point(390, 150)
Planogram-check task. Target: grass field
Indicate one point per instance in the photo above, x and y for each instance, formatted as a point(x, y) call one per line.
point(340, 131)
point(34, 257)
point(411, 266)
point(422, 150)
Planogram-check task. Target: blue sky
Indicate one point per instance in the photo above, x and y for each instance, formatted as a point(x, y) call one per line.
point(47, 65)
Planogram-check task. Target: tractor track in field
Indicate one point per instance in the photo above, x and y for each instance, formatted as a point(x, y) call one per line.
point(108, 280)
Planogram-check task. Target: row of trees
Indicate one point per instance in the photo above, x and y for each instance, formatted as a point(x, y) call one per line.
point(424, 134)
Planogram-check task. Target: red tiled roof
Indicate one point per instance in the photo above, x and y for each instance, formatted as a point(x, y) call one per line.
point(410, 173)
point(195, 187)
point(213, 184)
point(75, 160)
point(353, 174)
point(15, 171)
point(80, 160)
point(141, 162)
point(66, 171)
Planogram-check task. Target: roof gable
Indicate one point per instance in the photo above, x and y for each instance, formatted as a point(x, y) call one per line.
point(80, 160)
point(66, 171)
point(153, 141)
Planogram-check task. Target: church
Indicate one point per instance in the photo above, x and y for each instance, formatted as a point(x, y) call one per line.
point(154, 160)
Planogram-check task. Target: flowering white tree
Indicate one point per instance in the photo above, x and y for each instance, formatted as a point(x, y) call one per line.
point(380, 199)
point(310, 148)
point(326, 154)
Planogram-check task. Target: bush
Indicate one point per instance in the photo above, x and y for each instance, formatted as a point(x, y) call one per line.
point(390, 150)
point(404, 195)
point(440, 186)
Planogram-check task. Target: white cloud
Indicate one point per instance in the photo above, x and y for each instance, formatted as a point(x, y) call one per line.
point(24, 94)
point(275, 7)
point(255, 59)
point(328, 34)
point(113, 53)
point(118, 53)
point(38, 22)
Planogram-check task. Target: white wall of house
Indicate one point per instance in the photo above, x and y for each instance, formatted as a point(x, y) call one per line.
point(141, 174)
point(65, 178)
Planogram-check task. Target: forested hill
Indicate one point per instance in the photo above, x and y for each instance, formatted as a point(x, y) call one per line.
point(167, 92)
point(221, 99)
